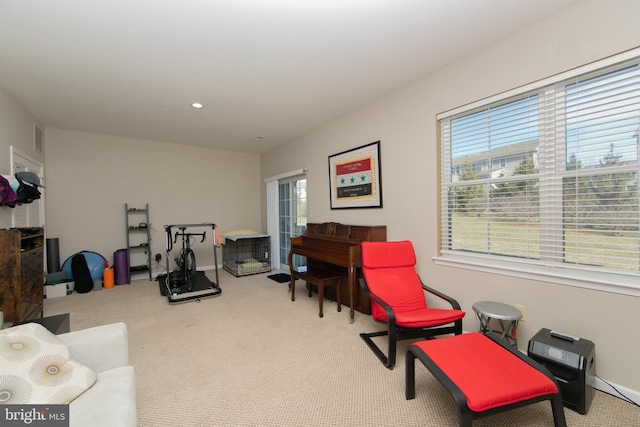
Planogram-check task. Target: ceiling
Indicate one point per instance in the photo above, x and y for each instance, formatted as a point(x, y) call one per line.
point(266, 71)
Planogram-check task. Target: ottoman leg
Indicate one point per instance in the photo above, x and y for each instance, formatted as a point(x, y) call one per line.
point(410, 375)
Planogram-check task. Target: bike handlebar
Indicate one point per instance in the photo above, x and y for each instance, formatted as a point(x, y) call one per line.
point(187, 235)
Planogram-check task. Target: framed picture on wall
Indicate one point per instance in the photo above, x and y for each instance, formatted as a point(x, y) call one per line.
point(354, 178)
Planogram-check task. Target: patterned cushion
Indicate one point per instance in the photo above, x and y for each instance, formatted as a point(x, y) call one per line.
point(37, 368)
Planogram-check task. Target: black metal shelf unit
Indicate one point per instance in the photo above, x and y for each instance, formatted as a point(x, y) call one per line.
point(138, 240)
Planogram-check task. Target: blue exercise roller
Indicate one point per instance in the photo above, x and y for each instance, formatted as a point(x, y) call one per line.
point(95, 262)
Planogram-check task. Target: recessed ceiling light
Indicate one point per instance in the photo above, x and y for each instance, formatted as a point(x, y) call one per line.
point(197, 105)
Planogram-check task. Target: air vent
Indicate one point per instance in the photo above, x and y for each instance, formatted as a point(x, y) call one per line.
point(37, 138)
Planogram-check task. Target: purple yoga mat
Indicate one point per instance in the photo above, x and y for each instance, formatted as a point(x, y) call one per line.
point(121, 267)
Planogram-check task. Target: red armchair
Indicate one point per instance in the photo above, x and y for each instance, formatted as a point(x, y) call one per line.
point(398, 298)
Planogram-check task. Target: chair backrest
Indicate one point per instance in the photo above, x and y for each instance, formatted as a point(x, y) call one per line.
point(389, 270)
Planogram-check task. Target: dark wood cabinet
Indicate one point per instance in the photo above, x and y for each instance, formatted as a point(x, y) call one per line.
point(21, 273)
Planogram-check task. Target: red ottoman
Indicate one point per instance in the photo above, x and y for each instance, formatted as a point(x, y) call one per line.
point(484, 376)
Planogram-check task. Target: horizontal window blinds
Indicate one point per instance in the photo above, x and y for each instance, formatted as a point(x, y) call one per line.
point(549, 175)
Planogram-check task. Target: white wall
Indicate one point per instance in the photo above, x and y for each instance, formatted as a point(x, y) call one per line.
point(91, 176)
point(16, 128)
point(405, 123)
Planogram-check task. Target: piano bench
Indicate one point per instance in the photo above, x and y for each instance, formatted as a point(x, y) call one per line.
point(320, 279)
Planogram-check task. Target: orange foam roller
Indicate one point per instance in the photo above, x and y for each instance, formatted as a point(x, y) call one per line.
point(108, 278)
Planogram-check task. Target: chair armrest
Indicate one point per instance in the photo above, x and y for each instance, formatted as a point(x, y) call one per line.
point(450, 300)
point(100, 348)
point(391, 315)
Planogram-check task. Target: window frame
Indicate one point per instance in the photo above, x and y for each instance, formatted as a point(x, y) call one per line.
point(543, 269)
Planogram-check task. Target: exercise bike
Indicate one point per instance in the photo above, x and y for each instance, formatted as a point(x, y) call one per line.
point(186, 259)
point(184, 283)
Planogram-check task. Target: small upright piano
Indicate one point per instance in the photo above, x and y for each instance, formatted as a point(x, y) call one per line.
point(332, 248)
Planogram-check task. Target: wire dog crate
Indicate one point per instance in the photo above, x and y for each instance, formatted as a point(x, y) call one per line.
point(244, 255)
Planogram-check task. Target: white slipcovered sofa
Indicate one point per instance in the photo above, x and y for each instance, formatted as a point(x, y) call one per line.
point(111, 401)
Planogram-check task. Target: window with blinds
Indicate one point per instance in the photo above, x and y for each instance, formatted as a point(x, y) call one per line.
point(548, 177)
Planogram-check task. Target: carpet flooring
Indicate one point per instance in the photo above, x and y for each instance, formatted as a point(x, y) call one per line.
point(252, 357)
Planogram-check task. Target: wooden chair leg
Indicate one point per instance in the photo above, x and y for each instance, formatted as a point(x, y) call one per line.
point(321, 295)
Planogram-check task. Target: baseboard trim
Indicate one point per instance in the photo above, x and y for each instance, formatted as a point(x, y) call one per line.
point(163, 272)
point(618, 391)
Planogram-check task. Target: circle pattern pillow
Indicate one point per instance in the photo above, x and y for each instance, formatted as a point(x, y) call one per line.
point(37, 368)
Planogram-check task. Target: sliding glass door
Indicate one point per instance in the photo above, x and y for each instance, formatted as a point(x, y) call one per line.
point(292, 219)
